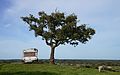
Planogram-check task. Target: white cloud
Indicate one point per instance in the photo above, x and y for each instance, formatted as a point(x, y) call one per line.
point(13, 48)
point(30, 6)
point(83, 8)
point(7, 25)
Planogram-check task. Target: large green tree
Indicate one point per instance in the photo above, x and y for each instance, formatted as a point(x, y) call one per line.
point(58, 29)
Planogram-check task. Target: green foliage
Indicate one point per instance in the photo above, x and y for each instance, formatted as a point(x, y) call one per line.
point(57, 28)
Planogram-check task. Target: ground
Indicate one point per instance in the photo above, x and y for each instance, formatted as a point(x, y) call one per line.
point(48, 69)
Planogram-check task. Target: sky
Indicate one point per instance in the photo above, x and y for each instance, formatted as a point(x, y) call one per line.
point(102, 15)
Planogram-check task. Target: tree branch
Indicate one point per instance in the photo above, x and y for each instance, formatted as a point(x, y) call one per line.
point(47, 42)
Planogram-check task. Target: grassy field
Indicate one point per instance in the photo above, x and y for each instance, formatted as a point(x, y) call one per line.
point(47, 69)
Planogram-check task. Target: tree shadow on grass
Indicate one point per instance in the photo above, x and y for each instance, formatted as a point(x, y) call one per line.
point(28, 73)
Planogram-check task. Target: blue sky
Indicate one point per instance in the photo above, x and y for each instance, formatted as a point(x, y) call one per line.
point(102, 15)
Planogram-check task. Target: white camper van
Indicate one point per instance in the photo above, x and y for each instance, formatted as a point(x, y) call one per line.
point(30, 55)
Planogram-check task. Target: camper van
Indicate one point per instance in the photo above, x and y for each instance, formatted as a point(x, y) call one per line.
point(30, 55)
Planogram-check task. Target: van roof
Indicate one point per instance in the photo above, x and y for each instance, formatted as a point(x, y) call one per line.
point(31, 50)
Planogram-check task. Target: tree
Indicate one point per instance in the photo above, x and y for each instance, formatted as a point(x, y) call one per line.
point(58, 29)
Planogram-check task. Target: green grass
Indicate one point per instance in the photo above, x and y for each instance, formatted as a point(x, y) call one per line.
point(47, 69)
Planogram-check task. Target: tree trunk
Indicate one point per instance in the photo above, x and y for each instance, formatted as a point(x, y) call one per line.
point(52, 55)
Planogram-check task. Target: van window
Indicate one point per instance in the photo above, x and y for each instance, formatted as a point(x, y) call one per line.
point(29, 54)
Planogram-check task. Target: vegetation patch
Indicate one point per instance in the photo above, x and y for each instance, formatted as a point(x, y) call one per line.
point(48, 69)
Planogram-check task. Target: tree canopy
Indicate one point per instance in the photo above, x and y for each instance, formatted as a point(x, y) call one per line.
point(57, 29)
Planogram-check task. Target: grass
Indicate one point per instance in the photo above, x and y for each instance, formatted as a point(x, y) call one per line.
point(47, 69)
